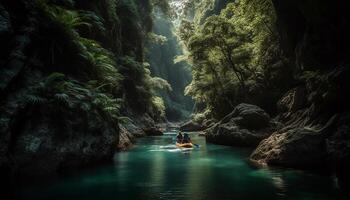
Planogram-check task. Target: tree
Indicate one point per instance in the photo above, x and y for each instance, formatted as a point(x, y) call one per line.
point(233, 54)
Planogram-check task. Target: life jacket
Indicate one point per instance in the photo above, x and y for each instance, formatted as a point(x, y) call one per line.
point(179, 138)
point(186, 139)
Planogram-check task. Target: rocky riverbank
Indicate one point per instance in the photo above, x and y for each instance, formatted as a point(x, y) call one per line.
point(300, 136)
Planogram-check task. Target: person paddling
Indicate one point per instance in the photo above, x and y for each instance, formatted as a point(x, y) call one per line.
point(179, 137)
point(186, 139)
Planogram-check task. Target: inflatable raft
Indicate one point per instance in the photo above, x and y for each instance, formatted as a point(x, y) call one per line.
point(184, 145)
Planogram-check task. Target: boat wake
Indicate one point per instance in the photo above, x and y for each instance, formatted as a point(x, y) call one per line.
point(169, 148)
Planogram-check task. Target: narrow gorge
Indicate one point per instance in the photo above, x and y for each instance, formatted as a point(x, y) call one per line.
point(168, 99)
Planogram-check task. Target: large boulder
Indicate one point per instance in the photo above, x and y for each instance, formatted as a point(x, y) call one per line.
point(250, 116)
point(233, 135)
point(301, 148)
point(296, 146)
point(191, 126)
point(247, 125)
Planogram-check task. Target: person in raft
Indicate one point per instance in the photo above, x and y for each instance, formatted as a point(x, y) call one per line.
point(179, 137)
point(186, 139)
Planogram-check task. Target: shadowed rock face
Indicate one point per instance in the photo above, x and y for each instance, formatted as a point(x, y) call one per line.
point(47, 139)
point(313, 32)
point(44, 129)
point(250, 116)
point(247, 125)
point(302, 147)
point(315, 36)
point(126, 138)
point(314, 133)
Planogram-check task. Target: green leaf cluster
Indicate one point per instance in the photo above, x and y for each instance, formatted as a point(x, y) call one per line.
point(234, 55)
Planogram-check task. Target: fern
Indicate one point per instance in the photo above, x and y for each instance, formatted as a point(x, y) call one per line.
point(69, 19)
point(62, 98)
point(102, 61)
point(85, 106)
point(32, 99)
point(52, 78)
point(93, 20)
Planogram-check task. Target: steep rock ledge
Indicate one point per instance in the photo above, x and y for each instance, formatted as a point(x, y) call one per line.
point(315, 132)
point(57, 112)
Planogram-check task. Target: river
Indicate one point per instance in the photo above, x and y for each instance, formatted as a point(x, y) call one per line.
point(155, 169)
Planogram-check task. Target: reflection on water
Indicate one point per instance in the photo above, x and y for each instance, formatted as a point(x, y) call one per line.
point(157, 169)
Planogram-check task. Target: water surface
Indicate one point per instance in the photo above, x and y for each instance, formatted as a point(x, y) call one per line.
point(155, 169)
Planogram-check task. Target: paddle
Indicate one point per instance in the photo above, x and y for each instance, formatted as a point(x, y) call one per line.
point(197, 145)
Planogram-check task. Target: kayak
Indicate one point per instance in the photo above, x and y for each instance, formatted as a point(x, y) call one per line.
point(184, 145)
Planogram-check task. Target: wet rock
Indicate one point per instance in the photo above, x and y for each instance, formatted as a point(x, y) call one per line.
point(247, 125)
point(248, 116)
point(233, 135)
point(44, 134)
point(126, 139)
point(191, 126)
point(132, 128)
point(296, 146)
point(147, 125)
point(301, 148)
point(46, 142)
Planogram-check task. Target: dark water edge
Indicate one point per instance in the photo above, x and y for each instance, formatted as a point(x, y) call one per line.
point(156, 169)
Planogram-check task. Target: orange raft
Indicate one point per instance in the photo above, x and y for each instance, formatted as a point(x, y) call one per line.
point(184, 145)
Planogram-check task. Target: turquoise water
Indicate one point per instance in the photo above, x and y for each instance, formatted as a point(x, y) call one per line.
point(155, 170)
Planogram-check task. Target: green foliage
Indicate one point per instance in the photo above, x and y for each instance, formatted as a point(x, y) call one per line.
point(103, 62)
point(100, 63)
point(102, 47)
point(65, 93)
point(201, 116)
point(157, 39)
point(158, 106)
point(159, 84)
point(69, 19)
point(186, 31)
point(93, 21)
point(144, 87)
point(202, 9)
point(235, 55)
